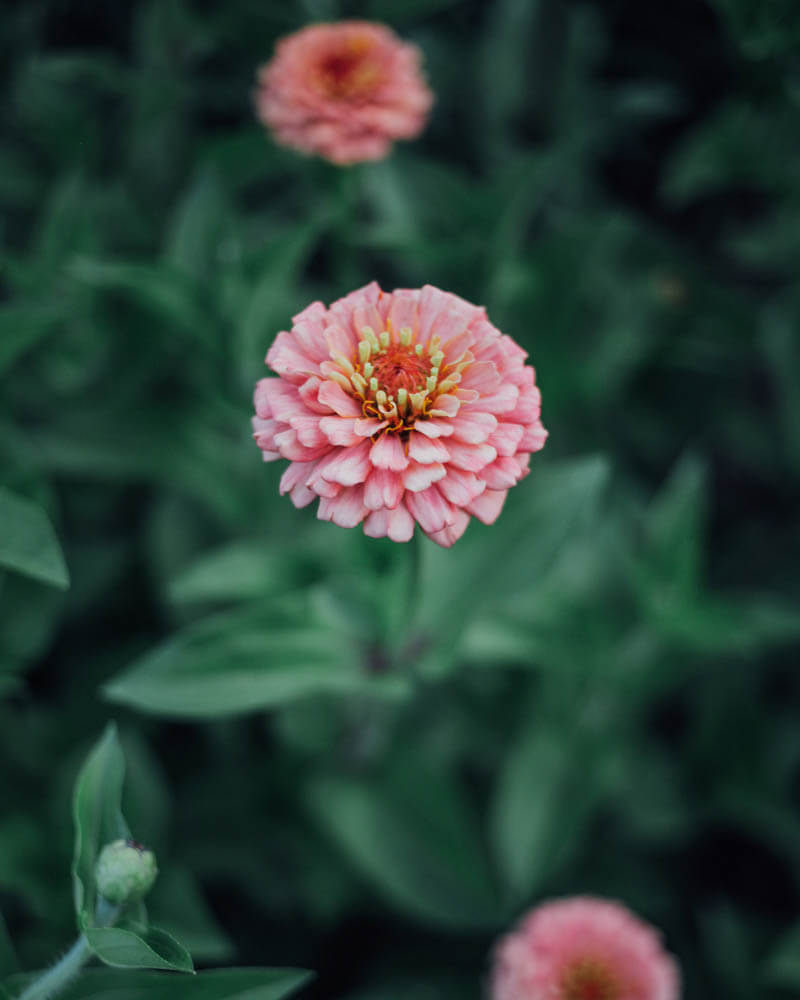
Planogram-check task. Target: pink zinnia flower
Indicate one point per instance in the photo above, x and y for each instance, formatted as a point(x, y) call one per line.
point(345, 91)
point(399, 408)
point(583, 949)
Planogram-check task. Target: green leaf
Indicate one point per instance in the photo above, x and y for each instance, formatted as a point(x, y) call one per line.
point(239, 571)
point(414, 838)
point(540, 804)
point(213, 984)
point(170, 295)
point(245, 661)
point(675, 523)
point(143, 948)
point(489, 565)
point(783, 966)
point(97, 816)
point(28, 543)
point(177, 903)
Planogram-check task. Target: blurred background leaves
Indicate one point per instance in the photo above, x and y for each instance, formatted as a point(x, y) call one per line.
point(599, 693)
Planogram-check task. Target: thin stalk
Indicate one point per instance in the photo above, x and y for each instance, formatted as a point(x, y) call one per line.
point(60, 975)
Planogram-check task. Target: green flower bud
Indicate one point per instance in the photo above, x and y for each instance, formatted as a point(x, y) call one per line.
point(125, 871)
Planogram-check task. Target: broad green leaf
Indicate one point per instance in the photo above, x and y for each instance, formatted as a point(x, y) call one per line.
point(240, 571)
point(168, 294)
point(412, 836)
point(675, 523)
point(28, 543)
point(488, 565)
point(213, 984)
point(97, 816)
point(783, 966)
point(246, 661)
point(195, 233)
point(540, 803)
point(178, 905)
point(143, 948)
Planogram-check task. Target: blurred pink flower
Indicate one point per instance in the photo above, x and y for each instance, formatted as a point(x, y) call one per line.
point(583, 949)
point(399, 408)
point(345, 91)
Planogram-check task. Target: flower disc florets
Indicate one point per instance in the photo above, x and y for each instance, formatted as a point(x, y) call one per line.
point(583, 949)
point(345, 91)
point(399, 408)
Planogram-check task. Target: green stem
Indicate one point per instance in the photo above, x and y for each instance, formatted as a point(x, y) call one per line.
point(58, 976)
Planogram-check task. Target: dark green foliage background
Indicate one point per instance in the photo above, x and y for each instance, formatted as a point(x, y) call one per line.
point(598, 694)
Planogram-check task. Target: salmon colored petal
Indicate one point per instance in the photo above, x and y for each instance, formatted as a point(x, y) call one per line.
point(450, 534)
point(488, 505)
point(419, 477)
point(339, 430)
point(423, 449)
point(347, 509)
point(334, 396)
point(474, 428)
point(383, 488)
point(387, 453)
point(396, 524)
point(430, 509)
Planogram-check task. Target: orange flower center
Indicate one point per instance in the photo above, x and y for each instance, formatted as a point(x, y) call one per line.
point(589, 979)
point(400, 368)
point(398, 380)
point(349, 72)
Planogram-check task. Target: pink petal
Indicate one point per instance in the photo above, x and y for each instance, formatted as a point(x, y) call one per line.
point(474, 428)
point(294, 474)
point(287, 359)
point(309, 392)
point(264, 433)
point(506, 438)
point(528, 407)
point(397, 524)
point(387, 453)
point(340, 341)
point(460, 488)
point(472, 457)
point(302, 496)
point(334, 396)
point(367, 426)
point(430, 510)
point(502, 401)
point(383, 489)
point(347, 466)
point(289, 447)
point(279, 399)
point(419, 477)
point(339, 430)
point(309, 432)
point(451, 534)
point(483, 376)
point(426, 450)
point(347, 509)
point(533, 437)
point(434, 428)
point(502, 474)
point(446, 405)
point(403, 311)
point(488, 505)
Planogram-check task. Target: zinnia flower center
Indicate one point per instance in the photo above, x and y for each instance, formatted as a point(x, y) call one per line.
point(397, 380)
point(589, 979)
point(349, 73)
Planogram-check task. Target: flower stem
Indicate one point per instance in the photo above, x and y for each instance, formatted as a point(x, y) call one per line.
point(58, 976)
